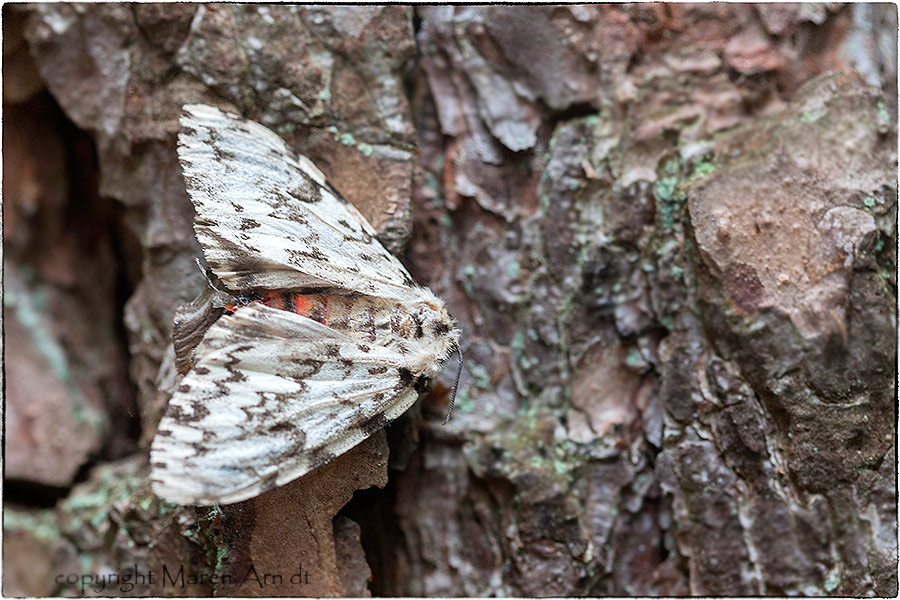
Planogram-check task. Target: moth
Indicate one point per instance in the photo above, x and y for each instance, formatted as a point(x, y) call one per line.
point(321, 336)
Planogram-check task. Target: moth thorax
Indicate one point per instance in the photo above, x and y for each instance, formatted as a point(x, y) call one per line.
point(436, 336)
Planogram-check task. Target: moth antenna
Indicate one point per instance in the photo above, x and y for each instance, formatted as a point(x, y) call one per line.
point(455, 384)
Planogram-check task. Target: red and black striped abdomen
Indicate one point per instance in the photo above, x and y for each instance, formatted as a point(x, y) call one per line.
point(311, 306)
point(370, 319)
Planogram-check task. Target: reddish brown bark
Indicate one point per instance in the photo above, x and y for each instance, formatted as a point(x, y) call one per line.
point(668, 233)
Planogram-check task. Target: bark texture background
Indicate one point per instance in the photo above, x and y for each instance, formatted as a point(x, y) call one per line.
point(668, 233)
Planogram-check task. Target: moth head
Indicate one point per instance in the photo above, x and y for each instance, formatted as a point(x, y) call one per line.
point(439, 334)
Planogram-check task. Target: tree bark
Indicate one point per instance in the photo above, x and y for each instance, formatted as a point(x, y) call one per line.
point(668, 233)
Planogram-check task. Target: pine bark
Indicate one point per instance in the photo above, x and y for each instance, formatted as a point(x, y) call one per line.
point(668, 233)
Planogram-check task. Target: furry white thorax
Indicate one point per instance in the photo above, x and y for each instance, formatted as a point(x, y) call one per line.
point(440, 335)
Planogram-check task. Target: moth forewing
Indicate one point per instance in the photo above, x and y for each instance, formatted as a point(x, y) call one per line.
point(266, 218)
point(332, 345)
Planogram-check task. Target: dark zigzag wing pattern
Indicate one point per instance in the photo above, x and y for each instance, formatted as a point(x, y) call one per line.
point(267, 218)
point(272, 395)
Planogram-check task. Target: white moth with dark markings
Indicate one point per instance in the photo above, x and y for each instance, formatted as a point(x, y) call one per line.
point(323, 340)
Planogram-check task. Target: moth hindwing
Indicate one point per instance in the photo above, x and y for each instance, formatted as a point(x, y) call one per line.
point(327, 336)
